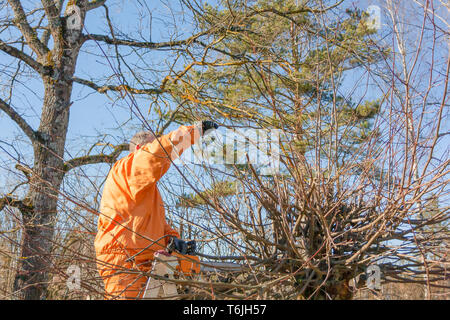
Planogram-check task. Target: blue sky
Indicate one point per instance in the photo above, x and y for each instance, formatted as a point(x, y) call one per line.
point(93, 114)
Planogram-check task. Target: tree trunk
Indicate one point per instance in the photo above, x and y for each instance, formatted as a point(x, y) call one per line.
point(38, 225)
point(35, 264)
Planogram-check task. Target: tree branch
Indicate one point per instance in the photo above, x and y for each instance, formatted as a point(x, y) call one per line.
point(148, 45)
point(23, 205)
point(16, 53)
point(20, 20)
point(54, 22)
point(132, 43)
point(122, 87)
point(46, 34)
point(93, 159)
point(25, 170)
point(26, 128)
point(95, 4)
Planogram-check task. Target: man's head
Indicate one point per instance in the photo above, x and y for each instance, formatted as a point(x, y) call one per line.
point(139, 139)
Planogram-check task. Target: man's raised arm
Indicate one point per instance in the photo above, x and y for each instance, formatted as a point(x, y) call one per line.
point(153, 159)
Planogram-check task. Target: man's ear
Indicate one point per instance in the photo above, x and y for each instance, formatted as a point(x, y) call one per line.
point(138, 146)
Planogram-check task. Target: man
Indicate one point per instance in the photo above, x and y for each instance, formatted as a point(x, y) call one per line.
point(132, 225)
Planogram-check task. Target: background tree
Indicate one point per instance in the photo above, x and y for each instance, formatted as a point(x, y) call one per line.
point(348, 188)
point(362, 143)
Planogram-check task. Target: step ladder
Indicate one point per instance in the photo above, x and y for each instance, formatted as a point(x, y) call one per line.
point(165, 266)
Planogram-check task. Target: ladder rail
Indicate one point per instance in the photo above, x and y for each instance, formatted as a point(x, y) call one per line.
point(164, 266)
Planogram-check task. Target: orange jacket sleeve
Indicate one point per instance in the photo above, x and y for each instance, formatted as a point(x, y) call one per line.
point(153, 160)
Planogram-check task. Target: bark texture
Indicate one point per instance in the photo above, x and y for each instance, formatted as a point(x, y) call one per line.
point(31, 280)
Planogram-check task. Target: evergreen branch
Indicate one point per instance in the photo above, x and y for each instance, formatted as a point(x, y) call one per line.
point(295, 11)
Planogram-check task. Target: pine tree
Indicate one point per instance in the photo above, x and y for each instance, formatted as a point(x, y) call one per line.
point(282, 65)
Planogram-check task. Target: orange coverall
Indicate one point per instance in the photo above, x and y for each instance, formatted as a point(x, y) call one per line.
point(132, 213)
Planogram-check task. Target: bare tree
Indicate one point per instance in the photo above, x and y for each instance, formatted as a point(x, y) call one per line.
point(44, 40)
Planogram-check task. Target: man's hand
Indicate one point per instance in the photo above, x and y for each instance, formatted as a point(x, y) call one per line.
point(181, 246)
point(207, 125)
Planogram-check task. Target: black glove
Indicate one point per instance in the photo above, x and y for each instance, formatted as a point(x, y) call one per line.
point(207, 125)
point(181, 246)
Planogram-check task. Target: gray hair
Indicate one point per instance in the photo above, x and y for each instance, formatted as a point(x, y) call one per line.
point(141, 138)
